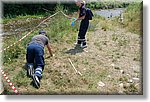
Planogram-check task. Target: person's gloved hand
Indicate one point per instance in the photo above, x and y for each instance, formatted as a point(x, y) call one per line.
point(72, 24)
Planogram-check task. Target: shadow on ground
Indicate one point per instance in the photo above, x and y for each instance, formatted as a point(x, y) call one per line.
point(75, 50)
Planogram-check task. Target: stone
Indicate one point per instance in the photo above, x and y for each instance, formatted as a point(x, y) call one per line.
point(101, 84)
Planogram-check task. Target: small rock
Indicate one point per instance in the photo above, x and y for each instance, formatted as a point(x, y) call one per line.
point(112, 64)
point(136, 79)
point(121, 85)
point(109, 76)
point(130, 81)
point(86, 51)
point(122, 71)
point(101, 84)
point(79, 55)
point(62, 73)
point(84, 68)
point(127, 75)
point(127, 84)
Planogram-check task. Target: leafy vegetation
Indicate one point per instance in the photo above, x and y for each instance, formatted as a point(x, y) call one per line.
point(13, 10)
point(133, 20)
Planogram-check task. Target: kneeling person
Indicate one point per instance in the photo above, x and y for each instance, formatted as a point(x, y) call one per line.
point(35, 56)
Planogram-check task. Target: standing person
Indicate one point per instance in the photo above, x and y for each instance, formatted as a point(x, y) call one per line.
point(83, 25)
point(35, 56)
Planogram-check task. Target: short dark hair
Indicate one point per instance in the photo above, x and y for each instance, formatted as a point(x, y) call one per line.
point(42, 32)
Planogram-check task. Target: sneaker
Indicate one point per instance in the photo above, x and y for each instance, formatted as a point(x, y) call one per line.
point(36, 81)
point(30, 70)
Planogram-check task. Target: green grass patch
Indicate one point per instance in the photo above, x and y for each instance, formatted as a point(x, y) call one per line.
point(133, 18)
point(8, 20)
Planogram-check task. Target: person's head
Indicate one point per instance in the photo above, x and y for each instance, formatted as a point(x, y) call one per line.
point(79, 2)
point(43, 32)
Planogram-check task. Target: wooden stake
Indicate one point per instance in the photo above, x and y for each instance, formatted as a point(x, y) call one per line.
point(74, 67)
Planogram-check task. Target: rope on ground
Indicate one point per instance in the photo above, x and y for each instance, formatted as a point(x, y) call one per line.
point(74, 67)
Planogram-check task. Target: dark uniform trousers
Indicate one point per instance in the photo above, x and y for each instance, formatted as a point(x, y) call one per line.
point(82, 31)
point(35, 55)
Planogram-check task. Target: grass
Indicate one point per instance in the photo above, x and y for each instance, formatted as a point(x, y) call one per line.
point(133, 18)
point(107, 24)
point(21, 79)
point(57, 30)
point(59, 77)
point(121, 40)
point(8, 20)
